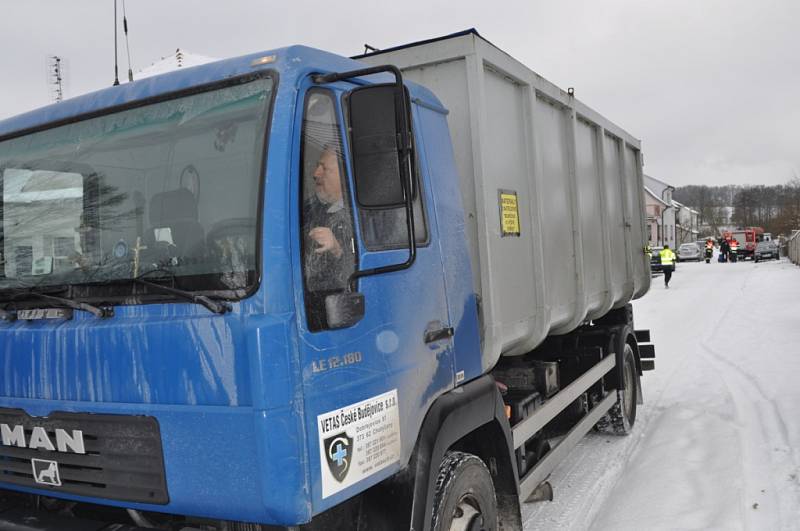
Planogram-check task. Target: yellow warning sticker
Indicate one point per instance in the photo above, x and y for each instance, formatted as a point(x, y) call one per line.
point(509, 213)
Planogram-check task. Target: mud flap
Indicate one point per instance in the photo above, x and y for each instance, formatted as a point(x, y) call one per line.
point(639, 395)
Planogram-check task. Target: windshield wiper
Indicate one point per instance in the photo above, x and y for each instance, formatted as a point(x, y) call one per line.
point(75, 305)
point(220, 307)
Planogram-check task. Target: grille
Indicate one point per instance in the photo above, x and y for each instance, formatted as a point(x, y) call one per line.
point(123, 459)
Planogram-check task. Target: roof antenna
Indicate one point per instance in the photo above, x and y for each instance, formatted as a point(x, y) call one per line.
point(368, 49)
point(127, 44)
point(116, 62)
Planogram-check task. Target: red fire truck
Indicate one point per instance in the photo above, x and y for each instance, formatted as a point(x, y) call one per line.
point(747, 237)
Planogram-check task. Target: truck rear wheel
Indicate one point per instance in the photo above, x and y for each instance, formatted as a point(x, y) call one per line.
point(620, 418)
point(464, 499)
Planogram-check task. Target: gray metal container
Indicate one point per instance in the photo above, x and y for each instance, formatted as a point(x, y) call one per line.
point(577, 179)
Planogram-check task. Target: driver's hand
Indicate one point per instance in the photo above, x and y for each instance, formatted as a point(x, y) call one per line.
point(326, 241)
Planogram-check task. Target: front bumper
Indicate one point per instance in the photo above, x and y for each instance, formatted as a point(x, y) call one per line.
point(226, 463)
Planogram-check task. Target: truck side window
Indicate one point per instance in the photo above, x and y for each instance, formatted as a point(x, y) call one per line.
point(328, 249)
point(385, 228)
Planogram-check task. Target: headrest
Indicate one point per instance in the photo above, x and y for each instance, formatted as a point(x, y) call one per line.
point(175, 205)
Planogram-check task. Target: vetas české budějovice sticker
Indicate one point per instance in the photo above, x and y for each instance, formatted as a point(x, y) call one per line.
point(358, 440)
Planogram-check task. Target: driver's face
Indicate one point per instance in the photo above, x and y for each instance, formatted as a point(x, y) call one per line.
point(327, 182)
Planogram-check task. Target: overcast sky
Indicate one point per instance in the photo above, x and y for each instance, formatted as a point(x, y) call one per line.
point(712, 87)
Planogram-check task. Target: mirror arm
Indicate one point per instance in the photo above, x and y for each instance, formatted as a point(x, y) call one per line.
point(405, 159)
point(339, 76)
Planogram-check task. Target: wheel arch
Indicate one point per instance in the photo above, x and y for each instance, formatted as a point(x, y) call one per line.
point(472, 419)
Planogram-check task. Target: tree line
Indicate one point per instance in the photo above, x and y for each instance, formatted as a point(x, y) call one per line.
point(775, 208)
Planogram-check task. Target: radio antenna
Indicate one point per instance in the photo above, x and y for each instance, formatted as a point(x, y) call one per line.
point(127, 44)
point(55, 72)
point(116, 62)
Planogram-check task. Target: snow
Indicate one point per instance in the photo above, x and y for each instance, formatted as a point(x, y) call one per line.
point(716, 443)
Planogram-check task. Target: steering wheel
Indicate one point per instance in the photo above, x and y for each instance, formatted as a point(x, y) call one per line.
point(229, 237)
point(230, 227)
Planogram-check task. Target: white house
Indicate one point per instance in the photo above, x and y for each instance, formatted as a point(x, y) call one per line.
point(687, 223)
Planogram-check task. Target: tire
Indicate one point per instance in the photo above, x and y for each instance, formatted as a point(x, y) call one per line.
point(621, 417)
point(464, 498)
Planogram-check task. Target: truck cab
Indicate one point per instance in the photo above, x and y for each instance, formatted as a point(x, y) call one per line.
point(164, 297)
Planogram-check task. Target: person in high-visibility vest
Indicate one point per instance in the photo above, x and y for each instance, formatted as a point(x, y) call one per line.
point(667, 263)
point(709, 250)
point(734, 249)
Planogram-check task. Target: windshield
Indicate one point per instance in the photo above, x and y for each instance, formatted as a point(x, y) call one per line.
point(171, 186)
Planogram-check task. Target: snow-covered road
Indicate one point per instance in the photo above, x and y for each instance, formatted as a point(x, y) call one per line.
point(717, 442)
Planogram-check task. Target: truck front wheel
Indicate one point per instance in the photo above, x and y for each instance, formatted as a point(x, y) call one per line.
point(465, 498)
point(620, 418)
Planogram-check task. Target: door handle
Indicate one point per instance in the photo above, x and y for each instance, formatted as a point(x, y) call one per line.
point(438, 334)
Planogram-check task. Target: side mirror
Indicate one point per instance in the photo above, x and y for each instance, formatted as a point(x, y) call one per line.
point(377, 122)
point(343, 310)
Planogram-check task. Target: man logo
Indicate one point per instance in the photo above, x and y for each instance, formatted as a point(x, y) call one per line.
point(46, 472)
point(338, 451)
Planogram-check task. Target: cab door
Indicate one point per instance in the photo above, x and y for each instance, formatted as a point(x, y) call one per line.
point(366, 387)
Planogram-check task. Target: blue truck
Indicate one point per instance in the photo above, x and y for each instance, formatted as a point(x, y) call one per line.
point(298, 290)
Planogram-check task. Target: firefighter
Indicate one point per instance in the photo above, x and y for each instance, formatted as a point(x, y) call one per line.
point(734, 249)
point(724, 250)
point(709, 250)
point(667, 264)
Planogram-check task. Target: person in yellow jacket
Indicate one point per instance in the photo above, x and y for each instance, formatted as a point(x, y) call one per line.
point(667, 264)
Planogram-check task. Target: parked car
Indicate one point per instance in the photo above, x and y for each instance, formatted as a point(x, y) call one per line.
point(766, 250)
point(689, 251)
point(655, 260)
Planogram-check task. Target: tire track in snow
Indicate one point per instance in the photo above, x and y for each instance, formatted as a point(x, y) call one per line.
point(711, 467)
point(756, 445)
point(584, 480)
point(751, 403)
point(776, 416)
point(587, 477)
point(662, 408)
point(590, 474)
point(753, 383)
